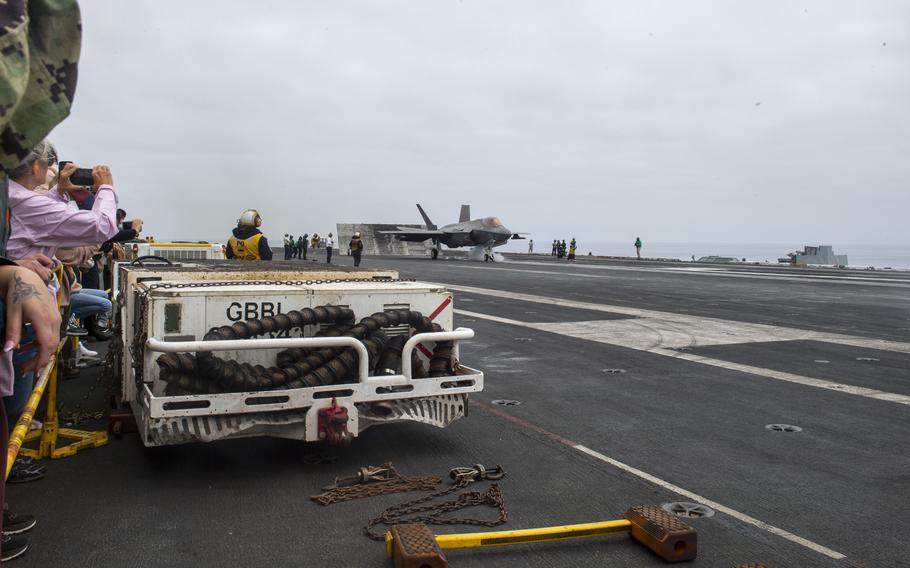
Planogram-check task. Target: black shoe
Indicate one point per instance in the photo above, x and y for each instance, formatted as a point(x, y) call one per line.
point(22, 473)
point(73, 329)
point(30, 463)
point(15, 524)
point(102, 334)
point(12, 546)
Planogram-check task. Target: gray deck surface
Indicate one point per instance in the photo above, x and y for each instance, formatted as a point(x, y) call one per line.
point(843, 483)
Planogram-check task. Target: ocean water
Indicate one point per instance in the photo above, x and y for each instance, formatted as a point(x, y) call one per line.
point(858, 255)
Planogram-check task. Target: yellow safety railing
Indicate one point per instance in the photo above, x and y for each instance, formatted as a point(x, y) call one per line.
point(17, 436)
point(50, 432)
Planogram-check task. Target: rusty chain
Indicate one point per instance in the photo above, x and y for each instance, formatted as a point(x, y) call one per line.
point(372, 481)
point(385, 479)
point(410, 511)
point(398, 485)
point(105, 379)
point(220, 283)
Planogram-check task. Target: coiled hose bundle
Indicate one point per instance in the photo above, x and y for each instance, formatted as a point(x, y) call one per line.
point(203, 372)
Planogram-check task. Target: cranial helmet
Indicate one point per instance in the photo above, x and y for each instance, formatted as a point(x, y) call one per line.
point(250, 218)
point(357, 235)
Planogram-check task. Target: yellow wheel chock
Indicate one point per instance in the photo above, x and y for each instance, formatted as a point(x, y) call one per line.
point(415, 545)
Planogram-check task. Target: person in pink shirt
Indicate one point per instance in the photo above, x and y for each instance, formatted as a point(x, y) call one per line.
point(42, 222)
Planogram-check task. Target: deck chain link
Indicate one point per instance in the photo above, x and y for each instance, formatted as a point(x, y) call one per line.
point(386, 479)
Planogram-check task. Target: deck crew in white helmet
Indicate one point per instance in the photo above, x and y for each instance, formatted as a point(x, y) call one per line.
point(248, 242)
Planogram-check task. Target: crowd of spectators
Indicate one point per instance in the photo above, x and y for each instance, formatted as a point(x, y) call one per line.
point(57, 236)
point(63, 238)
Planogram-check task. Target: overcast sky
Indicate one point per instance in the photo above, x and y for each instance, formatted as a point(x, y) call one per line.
point(674, 121)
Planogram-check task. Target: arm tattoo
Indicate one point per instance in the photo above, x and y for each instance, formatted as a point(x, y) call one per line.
point(23, 291)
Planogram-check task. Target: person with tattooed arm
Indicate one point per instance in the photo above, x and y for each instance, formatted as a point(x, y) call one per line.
point(28, 301)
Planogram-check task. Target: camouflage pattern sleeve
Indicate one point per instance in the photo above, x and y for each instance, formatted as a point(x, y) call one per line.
point(39, 52)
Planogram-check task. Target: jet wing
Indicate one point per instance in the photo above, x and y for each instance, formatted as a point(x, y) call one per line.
point(413, 235)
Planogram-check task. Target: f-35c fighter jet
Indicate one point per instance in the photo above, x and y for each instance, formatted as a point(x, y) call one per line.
point(483, 233)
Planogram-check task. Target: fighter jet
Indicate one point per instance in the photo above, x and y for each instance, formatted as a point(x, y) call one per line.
point(483, 234)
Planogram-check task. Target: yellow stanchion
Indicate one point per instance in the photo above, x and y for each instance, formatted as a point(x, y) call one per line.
point(50, 431)
point(17, 436)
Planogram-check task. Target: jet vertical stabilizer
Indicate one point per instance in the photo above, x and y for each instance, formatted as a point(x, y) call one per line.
point(465, 214)
point(426, 219)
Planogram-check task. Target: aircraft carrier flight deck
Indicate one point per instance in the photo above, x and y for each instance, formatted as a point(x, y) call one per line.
point(776, 399)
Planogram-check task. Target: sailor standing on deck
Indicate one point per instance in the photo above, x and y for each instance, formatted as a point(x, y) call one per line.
point(329, 244)
point(315, 242)
point(248, 242)
point(638, 248)
point(356, 246)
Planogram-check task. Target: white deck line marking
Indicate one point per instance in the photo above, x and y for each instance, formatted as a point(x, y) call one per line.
point(591, 331)
point(732, 274)
point(693, 322)
point(715, 270)
point(713, 504)
point(798, 379)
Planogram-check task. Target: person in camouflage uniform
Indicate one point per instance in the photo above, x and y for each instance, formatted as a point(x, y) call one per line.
point(40, 42)
point(39, 51)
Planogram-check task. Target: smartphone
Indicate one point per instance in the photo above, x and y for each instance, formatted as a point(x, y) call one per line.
point(82, 176)
point(127, 225)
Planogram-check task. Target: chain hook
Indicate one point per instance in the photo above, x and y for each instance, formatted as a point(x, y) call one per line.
point(476, 473)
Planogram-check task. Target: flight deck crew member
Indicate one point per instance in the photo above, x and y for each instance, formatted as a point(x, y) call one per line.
point(287, 246)
point(248, 242)
point(638, 248)
point(329, 244)
point(302, 245)
point(356, 246)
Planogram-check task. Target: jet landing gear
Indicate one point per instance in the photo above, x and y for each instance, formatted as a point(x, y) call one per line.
point(434, 254)
point(488, 254)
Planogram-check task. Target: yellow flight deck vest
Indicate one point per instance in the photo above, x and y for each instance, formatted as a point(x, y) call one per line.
point(246, 249)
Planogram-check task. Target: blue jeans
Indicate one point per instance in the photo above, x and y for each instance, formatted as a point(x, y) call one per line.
point(88, 302)
point(23, 383)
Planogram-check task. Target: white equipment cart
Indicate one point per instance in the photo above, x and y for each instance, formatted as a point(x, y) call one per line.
point(167, 311)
